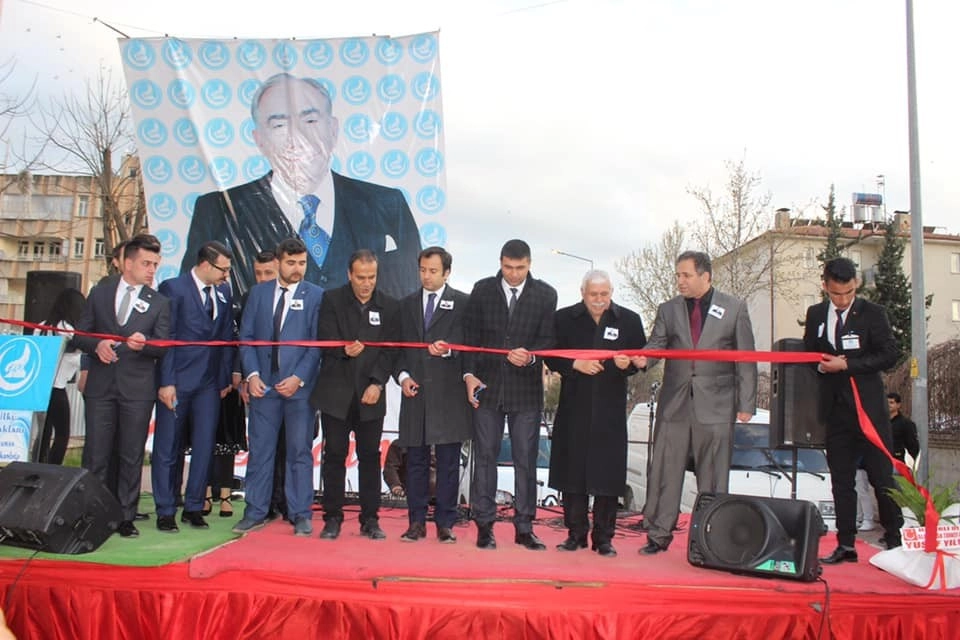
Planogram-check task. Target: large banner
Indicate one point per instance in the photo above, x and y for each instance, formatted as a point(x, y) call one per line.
point(28, 365)
point(251, 141)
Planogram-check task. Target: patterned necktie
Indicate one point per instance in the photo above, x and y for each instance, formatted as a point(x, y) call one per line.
point(125, 305)
point(428, 312)
point(316, 239)
point(208, 300)
point(277, 324)
point(696, 321)
point(513, 301)
point(838, 332)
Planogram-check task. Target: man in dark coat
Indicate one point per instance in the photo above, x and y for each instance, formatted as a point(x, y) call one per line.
point(434, 410)
point(512, 311)
point(589, 454)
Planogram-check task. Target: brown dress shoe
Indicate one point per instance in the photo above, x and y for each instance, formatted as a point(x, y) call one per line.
point(446, 536)
point(416, 531)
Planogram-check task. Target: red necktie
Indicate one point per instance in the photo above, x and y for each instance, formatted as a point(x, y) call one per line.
point(696, 321)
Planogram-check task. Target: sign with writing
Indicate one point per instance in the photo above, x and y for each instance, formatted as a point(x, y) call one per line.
point(948, 537)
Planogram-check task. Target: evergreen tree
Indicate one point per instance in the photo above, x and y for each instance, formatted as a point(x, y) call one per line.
point(834, 232)
point(892, 289)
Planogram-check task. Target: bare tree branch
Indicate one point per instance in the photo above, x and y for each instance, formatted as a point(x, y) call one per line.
point(649, 273)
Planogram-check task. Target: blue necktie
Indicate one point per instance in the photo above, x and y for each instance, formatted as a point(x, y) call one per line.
point(316, 239)
point(428, 312)
point(277, 325)
point(208, 301)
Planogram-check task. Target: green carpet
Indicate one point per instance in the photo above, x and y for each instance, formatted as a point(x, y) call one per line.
point(151, 548)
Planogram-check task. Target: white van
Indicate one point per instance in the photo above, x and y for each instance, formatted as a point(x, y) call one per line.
point(756, 468)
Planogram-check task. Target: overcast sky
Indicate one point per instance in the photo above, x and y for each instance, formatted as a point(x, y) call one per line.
point(580, 124)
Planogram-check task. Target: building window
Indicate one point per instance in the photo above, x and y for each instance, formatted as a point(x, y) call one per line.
point(24, 249)
point(809, 258)
point(78, 246)
point(98, 247)
point(955, 263)
point(83, 206)
point(56, 247)
point(39, 248)
point(854, 255)
point(956, 310)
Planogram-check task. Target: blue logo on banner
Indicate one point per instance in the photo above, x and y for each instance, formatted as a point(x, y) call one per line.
point(216, 93)
point(27, 367)
point(394, 164)
point(425, 86)
point(427, 124)
point(391, 88)
point(318, 54)
point(251, 55)
point(354, 52)
point(185, 132)
point(162, 206)
point(223, 170)
point(192, 170)
point(219, 132)
point(146, 94)
point(356, 90)
point(152, 132)
point(139, 55)
point(165, 273)
point(285, 56)
point(388, 51)
point(433, 234)
point(357, 128)
point(329, 86)
point(176, 53)
point(188, 203)
point(423, 48)
point(394, 126)
point(214, 55)
point(429, 162)
point(181, 94)
point(246, 132)
point(361, 165)
point(255, 167)
point(169, 242)
point(246, 91)
point(157, 170)
point(431, 199)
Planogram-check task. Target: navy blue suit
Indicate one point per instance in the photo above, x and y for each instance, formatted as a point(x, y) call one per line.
point(198, 373)
point(269, 412)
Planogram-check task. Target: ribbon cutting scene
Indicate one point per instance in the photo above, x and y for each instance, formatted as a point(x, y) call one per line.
point(286, 351)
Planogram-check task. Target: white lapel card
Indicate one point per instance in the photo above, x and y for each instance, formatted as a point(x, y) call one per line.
point(374, 318)
point(611, 333)
point(221, 297)
point(850, 341)
point(446, 304)
point(716, 312)
point(141, 305)
point(296, 304)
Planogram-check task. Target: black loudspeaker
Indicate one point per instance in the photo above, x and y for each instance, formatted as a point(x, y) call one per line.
point(794, 403)
point(56, 509)
point(43, 287)
point(769, 537)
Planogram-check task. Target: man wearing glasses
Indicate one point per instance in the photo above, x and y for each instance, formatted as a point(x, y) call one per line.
point(193, 379)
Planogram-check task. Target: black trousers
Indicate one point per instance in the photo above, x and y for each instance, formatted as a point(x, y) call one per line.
point(604, 516)
point(336, 444)
point(56, 424)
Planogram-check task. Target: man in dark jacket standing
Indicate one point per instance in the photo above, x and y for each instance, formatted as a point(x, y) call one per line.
point(589, 454)
point(511, 311)
point(434, 410)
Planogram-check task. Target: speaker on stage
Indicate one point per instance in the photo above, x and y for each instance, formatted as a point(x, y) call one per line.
point(757, 536)
point(43, 287)
point(56, 509)
point(794, 410)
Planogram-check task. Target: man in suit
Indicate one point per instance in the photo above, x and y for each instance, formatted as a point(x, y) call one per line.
point(855, 337)
point(434, 410)
point(589, 453)
point(278, 380)
point(121, 384)
point(193, 379)
point(349, 390)
point(699, 400)
point(511, 310)
point(334, 215)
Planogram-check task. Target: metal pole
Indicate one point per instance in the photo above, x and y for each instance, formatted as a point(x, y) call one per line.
point(918, 324)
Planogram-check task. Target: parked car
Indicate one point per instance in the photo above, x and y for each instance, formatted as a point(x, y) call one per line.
point(756, 468)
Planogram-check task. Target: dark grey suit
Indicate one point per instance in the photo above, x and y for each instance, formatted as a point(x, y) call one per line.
point(697, 406)
point(119, 397)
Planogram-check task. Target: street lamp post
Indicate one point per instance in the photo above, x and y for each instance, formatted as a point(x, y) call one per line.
point(570, 255)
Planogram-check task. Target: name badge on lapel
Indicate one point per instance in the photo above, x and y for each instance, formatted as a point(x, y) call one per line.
point(375, 318)
point(716, 312)
point(296, 304)
point(221, 298)
point(820, 329)
point(611, 333)
point(141, 305)
point(850, 341)
point(446, 304)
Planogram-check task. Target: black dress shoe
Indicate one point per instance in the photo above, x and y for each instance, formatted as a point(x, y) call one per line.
point(371, 529)
point(416, 531)
point(167, 524)
point(331, 530)
point(445, 535)
point(572, 544)
point(891, 542)
point(529, 541)
point(485, 539)
point(142, 516)
point(651, 548)
point(195, 519)
point(840, 555)
point(127, 530)
point(605, 549)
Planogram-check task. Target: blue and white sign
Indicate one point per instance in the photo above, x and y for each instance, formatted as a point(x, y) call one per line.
point(28, 365)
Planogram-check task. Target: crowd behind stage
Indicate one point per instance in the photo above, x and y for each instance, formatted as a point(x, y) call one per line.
point(266, 398)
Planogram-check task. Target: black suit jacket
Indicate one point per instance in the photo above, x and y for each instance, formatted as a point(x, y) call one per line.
point(487, 324)
point(133, 376)
point(877, 352)
point(247, 219)
point(343, 378)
